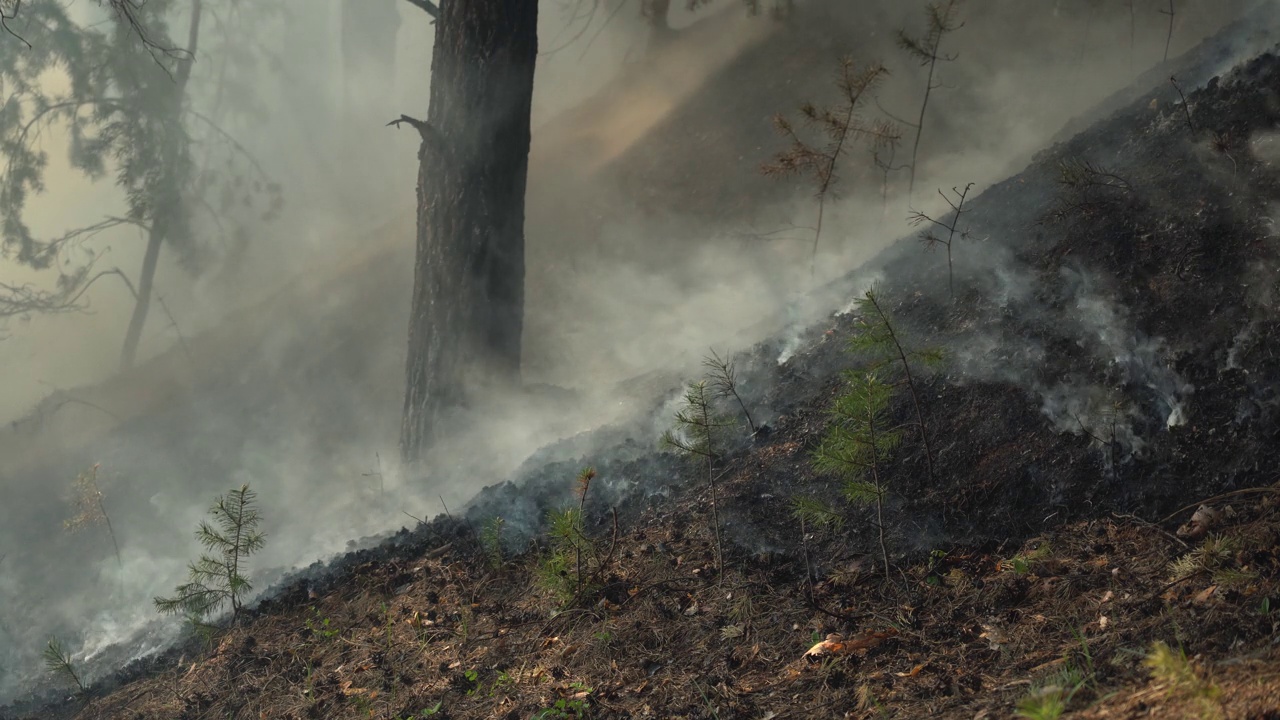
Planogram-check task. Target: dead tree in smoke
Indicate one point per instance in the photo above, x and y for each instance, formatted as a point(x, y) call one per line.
point(842, 127)
point(932, 239)
point(90, 510)
point(942, 21)
point(467, 311)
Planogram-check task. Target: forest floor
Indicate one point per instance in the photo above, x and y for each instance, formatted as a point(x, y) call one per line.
point(1063, 558)
point(1075, 616)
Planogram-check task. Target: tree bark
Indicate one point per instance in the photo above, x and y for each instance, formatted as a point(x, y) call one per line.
point(164, 205)
point(468, 298)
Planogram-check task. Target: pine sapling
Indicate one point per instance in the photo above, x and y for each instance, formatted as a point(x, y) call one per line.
point(217, 579)
point(58, 661)
point(842, 127)
point(584, 484)
point(573, 552)
point(942, 21)
point(876, 336)
point(724, 383)
point(932, 239)
point(90, 510)
point(857, 443)
point(697, 433)
point(491, 541)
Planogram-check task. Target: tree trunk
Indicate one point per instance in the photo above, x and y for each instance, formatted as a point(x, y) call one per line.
point(468, 298)
point(142, 305)
point(167, 203)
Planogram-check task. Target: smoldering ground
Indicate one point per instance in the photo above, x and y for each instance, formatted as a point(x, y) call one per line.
point(299, 394)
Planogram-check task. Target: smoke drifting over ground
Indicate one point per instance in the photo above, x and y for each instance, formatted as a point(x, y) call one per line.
point(282, 364)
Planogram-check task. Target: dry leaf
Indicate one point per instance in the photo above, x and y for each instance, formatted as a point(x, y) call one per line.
point(1204, 520)
point(914, 671)
point(836, 644)
point(1205, 595)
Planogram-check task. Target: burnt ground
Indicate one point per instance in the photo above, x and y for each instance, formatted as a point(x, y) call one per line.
point(1132, 265)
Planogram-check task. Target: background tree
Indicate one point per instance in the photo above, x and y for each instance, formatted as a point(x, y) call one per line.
point(841, 126)
point(467, 312)
point(941, 21)
point(127, 110)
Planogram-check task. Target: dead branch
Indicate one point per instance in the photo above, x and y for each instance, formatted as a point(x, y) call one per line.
point(1223, 496)
point(430, 135)
point(9, 11)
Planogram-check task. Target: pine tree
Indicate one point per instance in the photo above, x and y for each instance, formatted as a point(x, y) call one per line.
point(217, 579)
point(876, 337)
point(859, 439)
point(941, 21)
point(841, 126)
point(724, 383)
point(697, 436)
point(59, 662)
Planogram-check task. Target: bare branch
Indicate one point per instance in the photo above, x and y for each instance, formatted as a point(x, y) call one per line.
point(430, 135)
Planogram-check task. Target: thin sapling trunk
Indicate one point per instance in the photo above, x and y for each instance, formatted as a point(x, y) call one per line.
point(91, 510)
point(1168, 40)
point(699, 426)
point(841, 126)
point(932, 240)
point(927, 50)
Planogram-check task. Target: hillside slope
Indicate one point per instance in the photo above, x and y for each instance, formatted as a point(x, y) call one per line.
point(1110, 366)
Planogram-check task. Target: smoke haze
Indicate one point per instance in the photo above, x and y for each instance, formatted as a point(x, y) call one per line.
point(282, 363)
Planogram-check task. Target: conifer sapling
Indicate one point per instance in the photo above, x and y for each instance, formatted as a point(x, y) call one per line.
point(932, 239)
point(942, 21)
point(877, 337)
point(697, 436)
point(58, 661)
point(217, 579)
point(858, 441)
point(491, 541)
point(724, 383)
point(842, 127)
point(584, 484)
point(90, 510)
